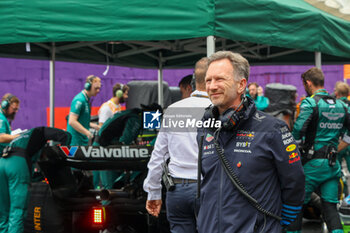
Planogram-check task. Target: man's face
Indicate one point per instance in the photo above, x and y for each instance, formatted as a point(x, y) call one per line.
point(186, 91)
point(96, 87)
point(253, 91)
point(12, 110)
point(223, 90)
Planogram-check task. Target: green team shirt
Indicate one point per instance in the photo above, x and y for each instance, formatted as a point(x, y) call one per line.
point(4, 129)
point(261, 102)
point(331, 120)
point(81, 107)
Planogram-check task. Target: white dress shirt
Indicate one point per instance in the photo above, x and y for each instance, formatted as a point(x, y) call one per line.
point(181, 147)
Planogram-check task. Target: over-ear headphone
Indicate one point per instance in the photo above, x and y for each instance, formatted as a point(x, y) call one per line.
point(119, 93)
point(5, 104)
point(193, 82)
point(230, 118)
point(88, 83)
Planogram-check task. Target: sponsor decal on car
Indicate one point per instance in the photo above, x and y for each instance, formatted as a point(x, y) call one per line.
point(69, 152)
point(105, 152)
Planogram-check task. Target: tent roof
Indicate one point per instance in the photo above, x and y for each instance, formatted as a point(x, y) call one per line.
point(133, 33)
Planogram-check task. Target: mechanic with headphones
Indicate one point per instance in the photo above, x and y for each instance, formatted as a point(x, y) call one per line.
point(8, 110)
point(181, 148)
point(80, 111)
point(319, 125)
point(120, 94)
point(253, 180)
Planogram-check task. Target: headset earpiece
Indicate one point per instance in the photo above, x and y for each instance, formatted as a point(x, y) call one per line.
point(119, 93)
point(88, 83)
point(5, 104)
point(87, 86)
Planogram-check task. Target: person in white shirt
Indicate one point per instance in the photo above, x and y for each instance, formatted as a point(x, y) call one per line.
point(107, 110)
point(182, 149)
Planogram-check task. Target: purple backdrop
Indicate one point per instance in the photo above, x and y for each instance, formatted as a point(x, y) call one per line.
point(29, 80)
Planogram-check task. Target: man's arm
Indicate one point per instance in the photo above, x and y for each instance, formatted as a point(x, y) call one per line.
point(95, 126)
point(73, 121)
point(7, 138)
point(152, 184)
point(303, 120)
point(290, 172)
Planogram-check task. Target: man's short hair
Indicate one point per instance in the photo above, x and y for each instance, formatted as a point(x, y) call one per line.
point(185, 81)
point(91, 78)
point(315, 76)
point(253, 83)
point(200, 70)
point(240, 65)
point(119, 86)
point(342, 88)
point(12, 99)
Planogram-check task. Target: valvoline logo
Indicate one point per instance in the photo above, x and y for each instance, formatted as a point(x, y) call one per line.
point(69, 152)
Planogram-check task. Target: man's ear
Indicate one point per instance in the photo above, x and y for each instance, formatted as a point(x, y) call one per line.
point(242, 86)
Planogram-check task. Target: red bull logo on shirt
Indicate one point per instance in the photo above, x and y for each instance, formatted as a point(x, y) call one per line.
point(294, 157)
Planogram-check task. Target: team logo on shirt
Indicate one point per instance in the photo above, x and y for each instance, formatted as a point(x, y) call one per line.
point(258, 117)
point(332, 116)
point(209, 137)
point(294, 157)
point(245, 135)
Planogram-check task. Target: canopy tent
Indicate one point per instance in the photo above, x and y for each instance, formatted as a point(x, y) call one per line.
point(135, 32)
point(161, 34)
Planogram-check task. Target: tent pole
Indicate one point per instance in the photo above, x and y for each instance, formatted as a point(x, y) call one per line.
point(52, 85)
point(160, 81)
point(210, 45)
point(318, 61)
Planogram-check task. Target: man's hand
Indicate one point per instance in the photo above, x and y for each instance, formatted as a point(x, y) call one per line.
point(153, 207)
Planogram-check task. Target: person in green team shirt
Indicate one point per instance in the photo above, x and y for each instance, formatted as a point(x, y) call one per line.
point(260, 101)
point(341, 92)
point(80, 111)
point(9, 108)
point(319, 124)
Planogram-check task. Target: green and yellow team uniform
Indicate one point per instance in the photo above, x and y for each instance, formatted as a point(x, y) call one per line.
point(320, 123)
point(346, 152)
point(15, 174)
point(4, 129)
point(80, 106)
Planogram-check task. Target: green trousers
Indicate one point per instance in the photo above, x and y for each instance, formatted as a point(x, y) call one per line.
point(14, 183)
point(346, 155)
point(318, 174)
